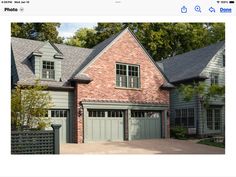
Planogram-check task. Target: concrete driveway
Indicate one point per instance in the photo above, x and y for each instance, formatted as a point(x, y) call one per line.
point(154, 146)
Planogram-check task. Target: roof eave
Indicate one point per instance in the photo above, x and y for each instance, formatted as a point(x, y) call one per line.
point(194, 78)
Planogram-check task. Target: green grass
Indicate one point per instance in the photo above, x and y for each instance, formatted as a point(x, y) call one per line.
point(210, 142)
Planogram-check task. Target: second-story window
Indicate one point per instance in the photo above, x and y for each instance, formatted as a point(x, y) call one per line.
point(127, 76)
point(48, 70)
point(214, 79)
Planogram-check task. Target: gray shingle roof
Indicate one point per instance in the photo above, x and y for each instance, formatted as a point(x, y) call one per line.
point(96, 50)
point(22, 48)
point(74, 59)
point(189, 65)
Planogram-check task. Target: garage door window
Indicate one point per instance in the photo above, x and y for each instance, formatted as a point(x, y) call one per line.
point(147, 114)
point(115, 113)
point(59, 113)
point(96, 113)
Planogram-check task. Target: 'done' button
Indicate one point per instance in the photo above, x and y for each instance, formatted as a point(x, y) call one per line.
point(225, 10)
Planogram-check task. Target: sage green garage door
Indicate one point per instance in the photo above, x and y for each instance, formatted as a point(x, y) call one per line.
point(61, 116)
point(104, 125)
point(144, 125)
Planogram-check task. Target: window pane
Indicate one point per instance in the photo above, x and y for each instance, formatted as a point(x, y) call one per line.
point(48, 70)
point(209, 119)
point(61, 113)
point(191, 117)
point(96, 113)
point(177, 121)
point(65, 113)
point(52, 113)
point(122, 80)
point(217, 119)
point(214, 78)
point(115, 113)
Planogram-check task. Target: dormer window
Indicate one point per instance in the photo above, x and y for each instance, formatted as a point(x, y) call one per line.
point(48, 70)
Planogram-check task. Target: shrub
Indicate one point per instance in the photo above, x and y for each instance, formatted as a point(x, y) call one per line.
point(179, 133)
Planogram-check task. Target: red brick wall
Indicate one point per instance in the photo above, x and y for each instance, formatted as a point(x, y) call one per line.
point(102, 71)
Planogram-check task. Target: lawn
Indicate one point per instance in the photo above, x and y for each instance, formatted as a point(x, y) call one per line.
point(210, 142)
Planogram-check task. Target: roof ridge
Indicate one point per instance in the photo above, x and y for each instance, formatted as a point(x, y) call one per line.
point(61, 44)
point(97, 50)
point(172, 57)
point(190, 64)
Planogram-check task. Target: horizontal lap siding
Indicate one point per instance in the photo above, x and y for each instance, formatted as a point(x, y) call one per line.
point(214, 66)
point(64, 100)
point(48, 55)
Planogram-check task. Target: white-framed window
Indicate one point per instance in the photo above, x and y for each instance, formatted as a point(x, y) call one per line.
point(214, 79)
point(214, 119)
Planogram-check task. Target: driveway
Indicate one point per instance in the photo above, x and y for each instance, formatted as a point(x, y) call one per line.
point(154, 146)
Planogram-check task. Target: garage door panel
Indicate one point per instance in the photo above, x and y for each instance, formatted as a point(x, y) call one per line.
point(58, 116)
point(96, 129)
point(121, 129)
point(107, 130)
point(145, 127)
point(103, 128)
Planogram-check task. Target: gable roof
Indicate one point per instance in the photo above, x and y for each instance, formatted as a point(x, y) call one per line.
point(189, 65)
point(96, 51)
point(101, 47)
point(23, 48)
point(75, 59)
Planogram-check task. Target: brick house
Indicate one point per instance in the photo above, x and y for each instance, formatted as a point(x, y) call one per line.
point(112, 92)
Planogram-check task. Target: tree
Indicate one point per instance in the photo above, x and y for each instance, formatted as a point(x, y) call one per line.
point(37, 31)
point(29, 106)
point(204, 91)
point(161, 40)
point(83, 37)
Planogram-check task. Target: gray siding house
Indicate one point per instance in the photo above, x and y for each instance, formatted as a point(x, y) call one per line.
point(202, 65)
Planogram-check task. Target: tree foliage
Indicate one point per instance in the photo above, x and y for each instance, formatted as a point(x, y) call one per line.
point(83, 37)
point(161, 40)
point(204, 91)
point(29, 106)
point(37, 31)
